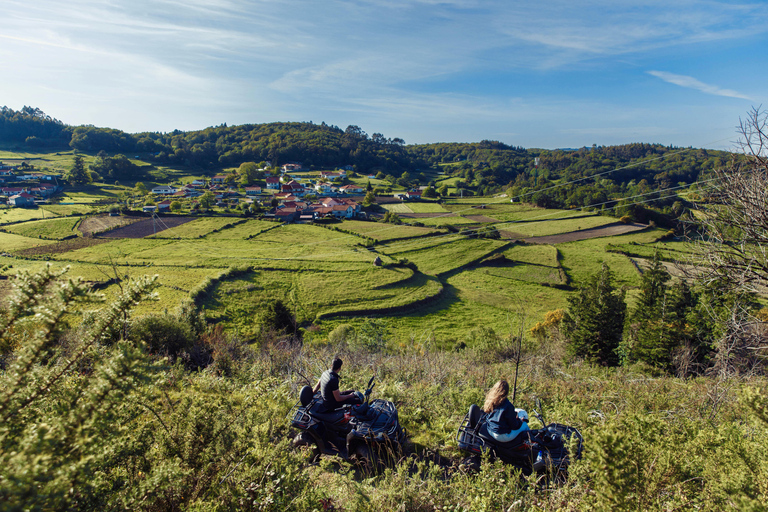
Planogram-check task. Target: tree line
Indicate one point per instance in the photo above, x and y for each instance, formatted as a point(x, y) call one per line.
point(596, 177)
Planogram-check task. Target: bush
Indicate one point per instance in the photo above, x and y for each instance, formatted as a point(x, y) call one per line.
point(163, 334)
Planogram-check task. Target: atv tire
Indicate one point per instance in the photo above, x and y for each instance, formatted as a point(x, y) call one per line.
point(306, 442)
point(365, 460)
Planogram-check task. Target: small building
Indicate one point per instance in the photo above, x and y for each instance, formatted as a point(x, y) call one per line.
point(22, 200)
point(252, 191)
point(293, 167)
point(149, 209)
point(164, 206)
point(218, 179)
point(293, 187)
point(273, 182)
point(352, 189)
point(413, 194)
point(164, 190)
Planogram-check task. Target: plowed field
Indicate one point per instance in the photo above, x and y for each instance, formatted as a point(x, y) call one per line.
point(147, 227)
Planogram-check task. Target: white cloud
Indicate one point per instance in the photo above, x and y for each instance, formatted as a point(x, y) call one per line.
point(692, 83)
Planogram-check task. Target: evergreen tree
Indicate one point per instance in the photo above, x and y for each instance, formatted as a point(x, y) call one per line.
point(77, 175)
point(596, 319)
point(658, 324)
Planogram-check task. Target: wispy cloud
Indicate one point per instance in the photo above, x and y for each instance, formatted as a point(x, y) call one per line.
point(692, 83)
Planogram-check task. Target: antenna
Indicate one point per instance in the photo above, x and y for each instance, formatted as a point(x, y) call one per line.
point(517, 367)
point(519, 351)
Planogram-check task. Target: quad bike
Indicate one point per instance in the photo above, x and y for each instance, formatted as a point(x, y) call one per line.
point(367, 433)
point(545, 450)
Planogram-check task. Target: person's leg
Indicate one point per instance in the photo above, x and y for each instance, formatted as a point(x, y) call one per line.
point(505, 438)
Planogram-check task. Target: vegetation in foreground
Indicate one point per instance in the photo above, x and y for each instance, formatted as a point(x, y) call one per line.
point(91, 419)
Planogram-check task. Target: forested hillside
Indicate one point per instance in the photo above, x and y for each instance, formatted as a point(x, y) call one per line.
point(596, 175)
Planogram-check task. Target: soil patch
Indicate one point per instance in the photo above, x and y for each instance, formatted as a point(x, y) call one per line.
point(98, 224)
point(147, 227)
point(59, 247)
point(511, 235)
point(617, 228)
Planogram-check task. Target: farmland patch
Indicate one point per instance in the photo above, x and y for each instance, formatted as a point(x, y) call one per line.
point(10, 242)
point(49, 229)
point(100, 223)
point(383, 232)
point(148, 227)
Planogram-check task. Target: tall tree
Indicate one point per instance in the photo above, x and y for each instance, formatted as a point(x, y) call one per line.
point(657, 322)
point(596, 319)
point(77, 175)
point(248, 172)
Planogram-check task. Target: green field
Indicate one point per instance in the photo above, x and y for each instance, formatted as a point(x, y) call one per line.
point(10, 242)
point(66, 209)
point(10, 215)
point(444, 220)
point(327, 277)
point(427, 208)
point(196, 228)
point(397, 208)
point(554, 227)
point(383, 232)
point(50, 229)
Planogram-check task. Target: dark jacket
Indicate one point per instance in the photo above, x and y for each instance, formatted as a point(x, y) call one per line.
point(329, 381)
point(503, 419)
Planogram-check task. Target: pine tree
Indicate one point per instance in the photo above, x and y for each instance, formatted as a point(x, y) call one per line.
point(77, 175)
point(658, 324)
point(595, 319)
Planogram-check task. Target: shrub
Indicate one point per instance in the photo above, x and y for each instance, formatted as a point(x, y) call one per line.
point(163, 334)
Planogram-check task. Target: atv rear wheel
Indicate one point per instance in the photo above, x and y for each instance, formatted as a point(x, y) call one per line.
point(365, 460)
point(306, 443)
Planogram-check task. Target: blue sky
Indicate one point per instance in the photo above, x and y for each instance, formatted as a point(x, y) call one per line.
point(543, 74)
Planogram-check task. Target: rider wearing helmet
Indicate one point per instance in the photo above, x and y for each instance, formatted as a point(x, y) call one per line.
point(504, 422)
point(329, 389)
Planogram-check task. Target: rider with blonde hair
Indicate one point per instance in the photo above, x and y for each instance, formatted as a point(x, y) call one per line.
point(503, 422)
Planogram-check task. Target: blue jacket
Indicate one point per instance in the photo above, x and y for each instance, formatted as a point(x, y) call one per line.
point(503, 419)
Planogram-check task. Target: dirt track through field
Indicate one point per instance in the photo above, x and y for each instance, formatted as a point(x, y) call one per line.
point(617, 228)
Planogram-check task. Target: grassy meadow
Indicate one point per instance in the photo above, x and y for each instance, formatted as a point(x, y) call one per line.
point(434, 284)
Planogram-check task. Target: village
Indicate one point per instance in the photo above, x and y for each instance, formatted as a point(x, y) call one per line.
point(27, 188)
point(295, 194)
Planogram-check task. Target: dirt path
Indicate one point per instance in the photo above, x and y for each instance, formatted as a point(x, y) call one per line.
point(617, 228)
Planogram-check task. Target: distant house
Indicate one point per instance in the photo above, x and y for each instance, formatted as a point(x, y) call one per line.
point(43, 190)
point(218, 179)
point(273, 182)
point(11, 191)
point(324, 187)
point(164, 190)
point(164, 206)
point(293, 167)
point(198, 183)
point(149, 209)
point(293, 187)
point(252, 191)
point(413, 194)
point(352, 189)
point(331, 175)
point(285, 196)
point(22, 200)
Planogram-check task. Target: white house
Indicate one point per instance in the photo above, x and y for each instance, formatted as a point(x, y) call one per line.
point(164, 190)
